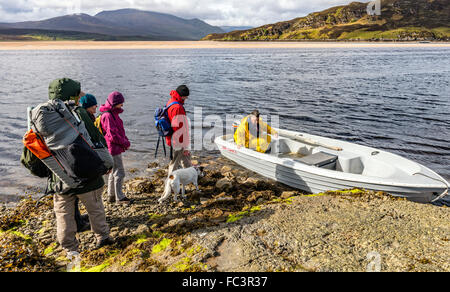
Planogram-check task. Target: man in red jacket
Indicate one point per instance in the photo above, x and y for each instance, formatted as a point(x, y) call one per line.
point(179, 142)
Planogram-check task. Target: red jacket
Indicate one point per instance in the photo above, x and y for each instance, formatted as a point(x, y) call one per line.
point(180, 125)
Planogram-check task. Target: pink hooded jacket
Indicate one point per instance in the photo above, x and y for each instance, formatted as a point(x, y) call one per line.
point(112, 125)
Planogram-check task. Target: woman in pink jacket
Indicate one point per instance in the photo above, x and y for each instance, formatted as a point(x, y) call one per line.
point(118, 143)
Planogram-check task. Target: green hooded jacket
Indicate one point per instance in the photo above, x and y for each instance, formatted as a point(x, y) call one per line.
point(65, 89)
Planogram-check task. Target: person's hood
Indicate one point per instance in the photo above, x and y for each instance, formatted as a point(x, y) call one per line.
point(64, 89)
point(176, 97)
point(114, 99)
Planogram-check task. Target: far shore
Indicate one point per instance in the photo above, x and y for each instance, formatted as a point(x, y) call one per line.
point(148, 45)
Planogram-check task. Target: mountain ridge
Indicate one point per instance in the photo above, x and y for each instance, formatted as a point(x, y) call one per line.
point(123, 23)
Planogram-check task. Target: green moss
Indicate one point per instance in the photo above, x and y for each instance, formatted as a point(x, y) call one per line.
point(42, 230)
point(27, 238)
point(97, 269)
point(236, 217)
point(245, 212)
point(162, 246)
point(353, 192)
point(154, 216)
point(141, 239)
point(186, 265)
point(195, 250)
point(50, 249)
point(132, 253)
point(255, 209)
point(181, 266)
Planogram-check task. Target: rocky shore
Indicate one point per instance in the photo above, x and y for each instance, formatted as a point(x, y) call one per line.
point(238, 222)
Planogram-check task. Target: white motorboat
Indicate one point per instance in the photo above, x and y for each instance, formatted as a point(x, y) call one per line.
point(317, 164)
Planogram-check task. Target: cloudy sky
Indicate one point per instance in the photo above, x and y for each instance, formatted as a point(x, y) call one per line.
point(215, 12)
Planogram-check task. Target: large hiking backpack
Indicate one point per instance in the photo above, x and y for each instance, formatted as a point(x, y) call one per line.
point(163, 125)
point(30, 160)
point(60, 140)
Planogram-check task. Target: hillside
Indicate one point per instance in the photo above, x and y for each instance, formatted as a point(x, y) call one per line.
point(401, 20)
point(75, 22)
point(158, 24)
point(233, 28)
point(117, 25)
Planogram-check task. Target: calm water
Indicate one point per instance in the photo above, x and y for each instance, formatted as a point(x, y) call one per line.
point(394, 99)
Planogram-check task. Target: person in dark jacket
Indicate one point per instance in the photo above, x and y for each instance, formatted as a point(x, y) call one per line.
point(87, 111)
point(89, 103)
point(90, 194)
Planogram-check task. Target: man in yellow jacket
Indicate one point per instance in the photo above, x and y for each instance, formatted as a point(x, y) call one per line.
point(253, 133)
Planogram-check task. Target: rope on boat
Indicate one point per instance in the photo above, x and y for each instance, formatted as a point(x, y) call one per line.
point(443, 181)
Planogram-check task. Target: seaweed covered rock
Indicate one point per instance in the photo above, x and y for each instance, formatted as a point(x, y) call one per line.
point(17, 216)
point(140, 186)
point(19, 254)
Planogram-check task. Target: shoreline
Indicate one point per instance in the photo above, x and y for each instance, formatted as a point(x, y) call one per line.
point(239, 222)
point(155, 45)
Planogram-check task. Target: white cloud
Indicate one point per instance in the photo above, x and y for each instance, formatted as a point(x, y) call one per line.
point(215, 12)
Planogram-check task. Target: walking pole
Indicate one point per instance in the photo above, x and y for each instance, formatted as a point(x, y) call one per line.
point(157, 147)
point(164, 145)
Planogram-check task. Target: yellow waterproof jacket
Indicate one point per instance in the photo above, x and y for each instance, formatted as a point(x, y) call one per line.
point(243, 137)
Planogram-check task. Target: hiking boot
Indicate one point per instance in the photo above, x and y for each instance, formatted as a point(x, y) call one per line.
point(112, 199)
point(105, 242)
point(125, 201)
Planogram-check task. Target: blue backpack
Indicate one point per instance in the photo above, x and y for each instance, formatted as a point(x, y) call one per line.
point(163, 125)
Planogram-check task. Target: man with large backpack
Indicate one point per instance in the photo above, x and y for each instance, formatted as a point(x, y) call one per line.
point(179, 141)
point(89, 192)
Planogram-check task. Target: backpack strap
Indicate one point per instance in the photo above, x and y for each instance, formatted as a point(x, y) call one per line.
point(171, 105)
point(161, 139)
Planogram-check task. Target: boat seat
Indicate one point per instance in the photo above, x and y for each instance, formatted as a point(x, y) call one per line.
point(320, 159)
point(284, 146)
point(350, 163)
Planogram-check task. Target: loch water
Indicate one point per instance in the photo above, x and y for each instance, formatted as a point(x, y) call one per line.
point(396, 99)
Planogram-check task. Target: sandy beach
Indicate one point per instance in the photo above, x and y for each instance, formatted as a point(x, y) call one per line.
point(144, 45)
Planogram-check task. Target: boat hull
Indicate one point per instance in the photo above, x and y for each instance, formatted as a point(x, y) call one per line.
point(316, 183)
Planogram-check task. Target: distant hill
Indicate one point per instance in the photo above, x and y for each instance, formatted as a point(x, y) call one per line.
point(400, 20)
point(23, 34)
point(233, 28)
point(76, 22)
point(124, 23)
point(158, 24)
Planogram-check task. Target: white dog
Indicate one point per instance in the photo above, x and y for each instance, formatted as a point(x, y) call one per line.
point(178, 180)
